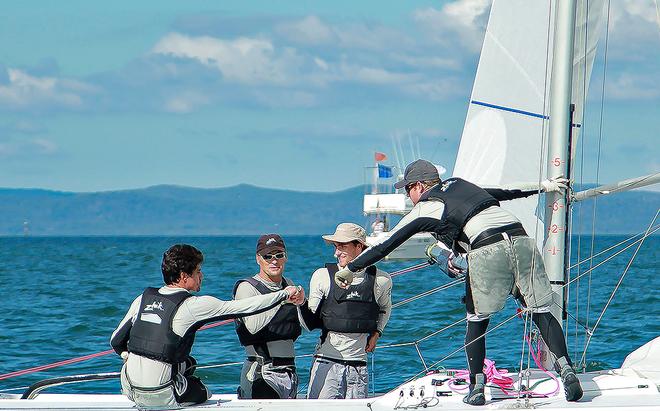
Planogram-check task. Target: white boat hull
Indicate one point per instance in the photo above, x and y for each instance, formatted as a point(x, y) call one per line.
point(603, 390)
point(414, 248)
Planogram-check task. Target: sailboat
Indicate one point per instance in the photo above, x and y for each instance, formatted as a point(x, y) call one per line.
point(382, 207)
point(512, 132)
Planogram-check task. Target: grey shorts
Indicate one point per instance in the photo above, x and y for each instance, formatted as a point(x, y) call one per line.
point(331, 380)
point(259, 380)
point(498, 269)
point(185, 389)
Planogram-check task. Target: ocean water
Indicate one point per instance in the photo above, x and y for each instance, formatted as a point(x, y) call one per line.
point(65, 295)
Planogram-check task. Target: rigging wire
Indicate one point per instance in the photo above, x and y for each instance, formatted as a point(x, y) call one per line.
point(461, 348)
point(543, 146)
point(653, 230)
point(582, 143)
point(616, 288)
point(606, 250)
point(429, 292)
point(598, 155)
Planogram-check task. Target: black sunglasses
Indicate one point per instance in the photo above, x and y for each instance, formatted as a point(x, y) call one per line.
point(409, 187)
point(269, 257)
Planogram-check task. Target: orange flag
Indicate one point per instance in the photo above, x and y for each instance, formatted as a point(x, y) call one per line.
point(380, 156)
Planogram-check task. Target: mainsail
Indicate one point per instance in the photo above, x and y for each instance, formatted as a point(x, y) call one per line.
point(504, 139)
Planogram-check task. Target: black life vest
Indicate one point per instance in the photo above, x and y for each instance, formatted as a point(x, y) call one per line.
point(151, 335)
point(463, 200)
point(285, 325)
point(351, 310)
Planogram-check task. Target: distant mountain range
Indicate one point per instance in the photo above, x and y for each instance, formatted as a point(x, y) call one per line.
point(241, 210)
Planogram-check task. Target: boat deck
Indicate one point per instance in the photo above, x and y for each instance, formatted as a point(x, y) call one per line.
point(603, 390)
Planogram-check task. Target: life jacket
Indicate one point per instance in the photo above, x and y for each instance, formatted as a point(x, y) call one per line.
point(463, 200)
point(152, 336)
point(285, 325)
point(351, 310)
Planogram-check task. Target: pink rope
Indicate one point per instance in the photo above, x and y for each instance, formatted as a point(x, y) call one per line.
point(496, 377)
point(83, 358)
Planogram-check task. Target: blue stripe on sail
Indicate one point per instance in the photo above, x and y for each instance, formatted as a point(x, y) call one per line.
point(514, 110)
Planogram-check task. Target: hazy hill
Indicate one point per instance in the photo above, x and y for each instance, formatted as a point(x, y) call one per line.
point(242, 209)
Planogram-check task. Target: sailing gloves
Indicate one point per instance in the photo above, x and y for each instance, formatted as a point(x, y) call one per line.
point(555, 185)
point(344, 277)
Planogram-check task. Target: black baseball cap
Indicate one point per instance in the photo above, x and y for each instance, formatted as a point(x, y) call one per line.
point(418, 170)
point(269, 243)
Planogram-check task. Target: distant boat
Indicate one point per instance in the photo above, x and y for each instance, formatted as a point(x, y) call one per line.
point(381, 209)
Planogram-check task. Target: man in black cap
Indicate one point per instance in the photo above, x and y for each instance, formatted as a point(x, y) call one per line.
point(269, 370)
point(501, 259)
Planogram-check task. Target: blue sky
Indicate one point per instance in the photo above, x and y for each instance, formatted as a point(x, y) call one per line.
point(298, 95)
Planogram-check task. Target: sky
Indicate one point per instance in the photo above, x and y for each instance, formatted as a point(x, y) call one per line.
point(98, 96)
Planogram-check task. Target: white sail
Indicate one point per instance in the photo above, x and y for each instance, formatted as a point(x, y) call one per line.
point(504, 138)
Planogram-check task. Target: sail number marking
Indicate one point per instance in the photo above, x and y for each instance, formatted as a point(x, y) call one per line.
point(554, 229)
point(556, 206)
point(557, 161)
point(554, 250)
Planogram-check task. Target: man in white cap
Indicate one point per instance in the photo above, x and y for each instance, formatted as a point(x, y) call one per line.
point(351, 319)
point(501, 259)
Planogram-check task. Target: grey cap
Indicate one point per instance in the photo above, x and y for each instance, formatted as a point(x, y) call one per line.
point(418, 170)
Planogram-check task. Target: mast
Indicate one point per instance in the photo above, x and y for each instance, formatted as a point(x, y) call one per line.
point(556, 221)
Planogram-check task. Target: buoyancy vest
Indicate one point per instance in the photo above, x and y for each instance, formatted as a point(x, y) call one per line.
point(351, 310)
point(285, 325)
point(462, 200)
point(152, 336)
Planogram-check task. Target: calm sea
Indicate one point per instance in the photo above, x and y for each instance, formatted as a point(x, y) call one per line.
point(65, 295)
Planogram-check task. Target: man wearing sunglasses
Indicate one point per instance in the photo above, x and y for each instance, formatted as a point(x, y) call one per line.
point(269, 370)
point(351, 320)
point(501, 259)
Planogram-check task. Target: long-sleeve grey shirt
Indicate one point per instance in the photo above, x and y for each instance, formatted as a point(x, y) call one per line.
point(145, 372)
point(254, 323)
point(349, 346)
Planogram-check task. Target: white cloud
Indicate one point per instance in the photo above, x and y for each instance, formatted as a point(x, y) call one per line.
point(312, 31)
point(461, 22)
point(24, 149)
point(633, 86)
point(286, 98)
point(185, 102)
point(427, 61)
point(44, 146)
point(373, 38)
point(642, 9)
point(321, 63)
point(634, 31)
point(243, 60)
point(24, 90)
point(309, 30)
point(375, 75)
